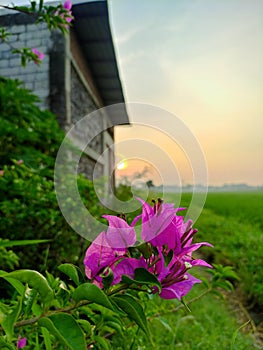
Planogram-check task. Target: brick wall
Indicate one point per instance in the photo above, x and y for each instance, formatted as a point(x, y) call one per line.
point(26, 35)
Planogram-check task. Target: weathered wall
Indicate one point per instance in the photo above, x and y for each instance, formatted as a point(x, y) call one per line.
point(63, 83)
point(26, 34)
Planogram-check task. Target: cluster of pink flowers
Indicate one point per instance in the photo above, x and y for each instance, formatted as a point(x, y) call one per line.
point(68, 15)
point(167, 250)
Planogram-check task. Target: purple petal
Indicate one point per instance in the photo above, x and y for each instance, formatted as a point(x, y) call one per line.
point(100, 255)
point(156, 224)
point(67, 5)
point(127, 267)
point(21, 343)
point(147, 210)
point(169, 236)
point(39, 54)
point(200, 262)
point(193, 247)
point(119, 234)
point(179, 289)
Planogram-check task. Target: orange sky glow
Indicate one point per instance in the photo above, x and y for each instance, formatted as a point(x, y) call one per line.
point(201, 61)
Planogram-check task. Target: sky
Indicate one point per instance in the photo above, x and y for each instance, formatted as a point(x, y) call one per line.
point(202, 62)
point(198, 65)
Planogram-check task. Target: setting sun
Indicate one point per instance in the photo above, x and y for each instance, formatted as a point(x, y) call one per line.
point(122, 165)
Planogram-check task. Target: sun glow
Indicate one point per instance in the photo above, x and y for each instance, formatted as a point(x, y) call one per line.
point(122, 165)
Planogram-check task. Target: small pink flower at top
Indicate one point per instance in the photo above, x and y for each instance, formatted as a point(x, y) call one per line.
point(68, 16)
point(67, 5)
point(39, 54)
point(2, 172)
point(21, 343)
point(20, 161)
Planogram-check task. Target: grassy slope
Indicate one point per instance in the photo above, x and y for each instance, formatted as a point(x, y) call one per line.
point(209, 326)
point(232, 222)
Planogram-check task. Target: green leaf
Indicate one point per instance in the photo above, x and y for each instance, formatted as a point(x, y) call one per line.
point(92, 293)
point(86, 326)
point(23, 242)
point(104, 343)
point(134, 310)
point(164, 323)
point(71, 271)
point(115, 326)
point(234, 336)
point(46, 336)
point(19, 287)
point(65, 328)
point(35, 280)
point(185, 305)
point(10, 319)
point(29, 299)
point(107, 278)
point(145, 249)
point(142, 277)
point(4, 345)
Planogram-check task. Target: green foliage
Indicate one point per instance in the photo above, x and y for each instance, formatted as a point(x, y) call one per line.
point(29, 141)
point(59, 325)
point(91, 292)
point(34, 280)
point(65, 315)
point(8, 259)
point(133, 309)
point(52, 312)
point(210, 325)
point(26, 130)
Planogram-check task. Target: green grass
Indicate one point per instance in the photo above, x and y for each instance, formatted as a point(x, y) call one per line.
point(233, 223)
point(209, 326)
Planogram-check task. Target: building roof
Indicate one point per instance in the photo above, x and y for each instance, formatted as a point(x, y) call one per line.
point(93, 31)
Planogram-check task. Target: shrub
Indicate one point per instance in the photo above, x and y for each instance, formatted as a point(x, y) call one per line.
point(29, 141)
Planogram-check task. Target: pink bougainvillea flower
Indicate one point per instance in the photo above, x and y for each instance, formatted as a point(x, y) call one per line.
point(21, 343)
point(67, 5)
point(169, 258)
point(2, 172)
point(40, 55)
point(20, 161)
